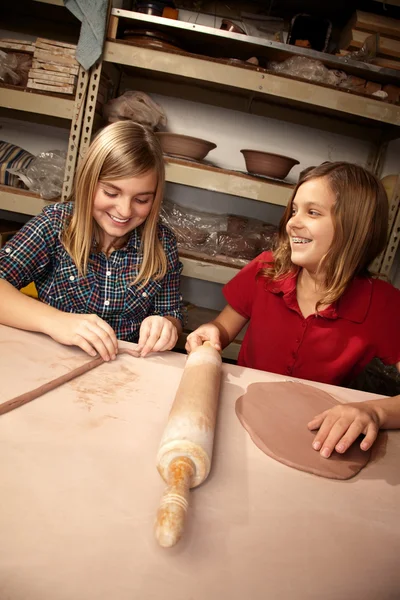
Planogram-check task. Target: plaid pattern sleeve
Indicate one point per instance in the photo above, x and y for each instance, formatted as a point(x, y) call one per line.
point(30, 252)
point(168, 302)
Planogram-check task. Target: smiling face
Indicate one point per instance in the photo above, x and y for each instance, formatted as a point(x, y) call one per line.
point(121, 205)
point(310, 228)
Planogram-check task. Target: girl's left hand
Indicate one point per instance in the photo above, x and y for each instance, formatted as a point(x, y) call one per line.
point(340, 426)
point(156, 334)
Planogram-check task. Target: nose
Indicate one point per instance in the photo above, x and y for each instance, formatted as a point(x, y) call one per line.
point(124, 207)
point(295, 221)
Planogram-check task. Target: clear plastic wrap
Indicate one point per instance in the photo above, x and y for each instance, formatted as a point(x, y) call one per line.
point(135, 106)
point(8, 68)
point(308, 68)
point(231, 238)
point(45, 174)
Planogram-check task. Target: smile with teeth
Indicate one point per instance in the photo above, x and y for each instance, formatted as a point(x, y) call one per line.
point(299, 240)
point(117, 220)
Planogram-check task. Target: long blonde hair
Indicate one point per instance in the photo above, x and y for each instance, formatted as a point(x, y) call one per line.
point(360, 219)
point(120, 150)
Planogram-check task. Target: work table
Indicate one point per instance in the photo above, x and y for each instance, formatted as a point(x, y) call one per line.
point(79, 493)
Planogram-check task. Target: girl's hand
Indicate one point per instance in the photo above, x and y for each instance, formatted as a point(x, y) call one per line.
point(205, 333)
point(89, 332)
point(340, 426)
point(156, 335)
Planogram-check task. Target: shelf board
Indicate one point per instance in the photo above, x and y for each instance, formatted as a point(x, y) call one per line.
point(40, 103)
point(21, 201)
point(207, 271)
point(273, 88)
point(235, 183)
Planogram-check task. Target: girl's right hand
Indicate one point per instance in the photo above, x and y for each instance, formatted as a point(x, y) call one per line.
point(204, 333)
point(89, 332)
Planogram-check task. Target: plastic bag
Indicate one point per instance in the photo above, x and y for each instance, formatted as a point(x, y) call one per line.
point(45, 174)
point(368, 51)
point(8, 68)
point(308, 68)
point(135, 106)
point(231, 236)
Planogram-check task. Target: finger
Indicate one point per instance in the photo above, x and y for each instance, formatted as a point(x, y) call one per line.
point(315, 423)
point(325, 428)
point(335, 434)
point(193, 341)
point(151, 341)
point(167, 340)
point(370, 436)
point(350, 436)
point(85, 346)
point(110, 332)
point(144, 333)
point(104, 336)
point(92, 335)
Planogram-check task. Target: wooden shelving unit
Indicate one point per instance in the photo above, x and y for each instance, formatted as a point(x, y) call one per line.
point(207, 270)
point(21, 201)
point(38, 103)
point(224, 181)
point(269, 87)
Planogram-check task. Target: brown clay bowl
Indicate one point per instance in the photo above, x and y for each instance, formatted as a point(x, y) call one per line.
point(268, 164)
point(184, 146)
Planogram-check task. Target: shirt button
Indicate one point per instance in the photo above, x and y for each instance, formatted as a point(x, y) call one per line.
point(144, 295)
point(289, 370)
point(8, 250)
point(72, 278)
point(297, 340)
point(107, 303)
point(108, 273)
point(294, 354)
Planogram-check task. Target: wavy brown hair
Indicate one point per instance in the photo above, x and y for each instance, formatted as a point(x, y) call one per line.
point(360, 219)
point(119, 151)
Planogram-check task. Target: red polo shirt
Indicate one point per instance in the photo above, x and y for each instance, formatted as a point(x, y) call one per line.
point(332, 346)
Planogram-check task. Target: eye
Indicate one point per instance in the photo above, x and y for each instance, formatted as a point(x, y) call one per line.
point(314, 213)
point(141, 201)
point(109, 194)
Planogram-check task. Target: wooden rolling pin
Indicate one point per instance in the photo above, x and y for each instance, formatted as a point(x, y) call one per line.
point(184, 456)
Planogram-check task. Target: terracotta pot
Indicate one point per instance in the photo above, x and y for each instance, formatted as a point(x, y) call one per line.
point(184, 146)
point(268, 164)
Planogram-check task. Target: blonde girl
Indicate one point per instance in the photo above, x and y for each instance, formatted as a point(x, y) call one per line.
point(103, 265)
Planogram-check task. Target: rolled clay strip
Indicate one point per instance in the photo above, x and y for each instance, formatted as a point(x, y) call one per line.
point(18, 401)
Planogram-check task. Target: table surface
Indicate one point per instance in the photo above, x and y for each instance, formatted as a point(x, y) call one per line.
point(79, 491)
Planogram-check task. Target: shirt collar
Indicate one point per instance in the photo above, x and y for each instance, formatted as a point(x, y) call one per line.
point(352, 306)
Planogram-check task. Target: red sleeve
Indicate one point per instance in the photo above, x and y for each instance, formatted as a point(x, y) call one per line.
point(240, 291)
point(388, 325)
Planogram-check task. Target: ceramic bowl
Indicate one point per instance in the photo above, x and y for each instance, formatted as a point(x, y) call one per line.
point(184, 146)
point(268, 164)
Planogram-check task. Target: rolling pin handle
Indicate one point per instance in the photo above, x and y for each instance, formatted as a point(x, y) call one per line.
point(174, 503)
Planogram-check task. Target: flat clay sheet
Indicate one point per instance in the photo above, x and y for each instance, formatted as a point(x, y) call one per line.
point(276, 416)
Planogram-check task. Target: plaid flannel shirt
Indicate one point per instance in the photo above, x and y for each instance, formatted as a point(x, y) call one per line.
point(36, 254)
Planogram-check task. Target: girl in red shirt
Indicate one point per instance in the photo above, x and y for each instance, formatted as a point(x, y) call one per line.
point(311, 307)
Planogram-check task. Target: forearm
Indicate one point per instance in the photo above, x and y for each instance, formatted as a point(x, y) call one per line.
point(388, 411)
point(21, 311)
point(224, 336)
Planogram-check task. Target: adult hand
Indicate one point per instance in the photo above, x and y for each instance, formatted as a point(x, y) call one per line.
point(340, 426)
point(156, 335)
point(89, 332)
point(205, 333)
